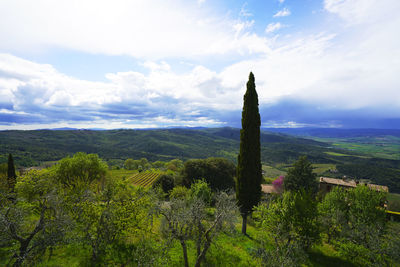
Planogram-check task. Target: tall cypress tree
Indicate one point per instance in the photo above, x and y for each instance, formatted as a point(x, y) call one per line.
point(249, 176)
point(11, 176)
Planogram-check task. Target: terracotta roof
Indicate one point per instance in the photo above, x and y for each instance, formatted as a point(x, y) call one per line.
point(269, 189)
point(352, 183)
point(377, 187)
point(337, 182)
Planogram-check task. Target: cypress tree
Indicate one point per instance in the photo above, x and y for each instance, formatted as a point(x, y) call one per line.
point(249, 176)
point(11, 176)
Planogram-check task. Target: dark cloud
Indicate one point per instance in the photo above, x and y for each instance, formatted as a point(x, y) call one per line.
point(164, 111)
point(313, 114)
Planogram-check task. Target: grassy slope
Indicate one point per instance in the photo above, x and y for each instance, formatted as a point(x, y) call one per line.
point(229, 249)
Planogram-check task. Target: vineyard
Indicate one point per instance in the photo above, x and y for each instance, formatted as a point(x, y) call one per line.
point(145, 178)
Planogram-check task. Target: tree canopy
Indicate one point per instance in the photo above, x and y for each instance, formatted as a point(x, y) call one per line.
point(82, 168)
point(301, 176)
point(217, 172)
point(249, 176)
point(11, 176)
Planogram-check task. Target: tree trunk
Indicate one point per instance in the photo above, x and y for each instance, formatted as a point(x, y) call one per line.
point(185, 256)
point(244, 224)
point(202, 256)
point(22, 253)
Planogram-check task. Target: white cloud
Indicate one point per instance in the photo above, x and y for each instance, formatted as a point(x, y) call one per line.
point(282, 13)
point(43, 91)
point(354, 66)
point(354, 11)
point(281, 1)
point(151, 29)
point(273, 27)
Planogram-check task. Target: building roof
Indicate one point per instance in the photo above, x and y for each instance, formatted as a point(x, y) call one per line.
point(352, 183)
point(377, 187)
point(337, 182)
point(269, 189)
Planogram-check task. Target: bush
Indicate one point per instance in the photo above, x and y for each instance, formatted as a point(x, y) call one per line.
point(200, 190)
point(179, 192)
point(219, 173)
point(166, 182)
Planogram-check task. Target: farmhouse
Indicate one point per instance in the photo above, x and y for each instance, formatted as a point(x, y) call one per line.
point(326, 184)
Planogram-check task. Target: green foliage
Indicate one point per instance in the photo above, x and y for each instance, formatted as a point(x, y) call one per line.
point(393, 202)
point(291, 222)
point(366, 208)
point(3, 169)
point(159, 165)
point(11, 175)
point(3, 178)
point(179, 192)
point(371, 170)
point(175, 165)
point(217, 172)
point(166, 182)
point(30, 148)
point(249, 177)
point(201, 190)
point(186, 219)
point(355, 223)
point(301, 176)
point(112, 215)
point(130, 164)
point(35, 220)
point(334, 212)
point(81, 169)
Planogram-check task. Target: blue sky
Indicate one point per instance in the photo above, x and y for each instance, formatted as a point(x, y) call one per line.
point(159, 63)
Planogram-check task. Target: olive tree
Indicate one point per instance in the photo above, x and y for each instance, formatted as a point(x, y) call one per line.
point(355, 223)
point(291, 222)
point(186, 218)
point(36, 219)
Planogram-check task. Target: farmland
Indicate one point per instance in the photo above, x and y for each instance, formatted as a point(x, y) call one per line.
point(145, 178)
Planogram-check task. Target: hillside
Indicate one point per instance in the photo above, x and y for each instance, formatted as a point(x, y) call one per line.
point(279, 150)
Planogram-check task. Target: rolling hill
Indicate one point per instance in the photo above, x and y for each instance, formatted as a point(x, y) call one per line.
point(34, 147)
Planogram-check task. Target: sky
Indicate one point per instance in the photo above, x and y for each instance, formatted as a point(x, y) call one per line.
point(166, 63)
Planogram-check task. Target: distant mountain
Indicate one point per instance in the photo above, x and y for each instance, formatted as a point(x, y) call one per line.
point(336, 132)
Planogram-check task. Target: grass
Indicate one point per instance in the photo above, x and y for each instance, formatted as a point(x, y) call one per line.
point(72, 255)
point(324, 255)
point(322, 168)
point(387, 147)
point(336, 154)
point(228, 249)
point(272, 172)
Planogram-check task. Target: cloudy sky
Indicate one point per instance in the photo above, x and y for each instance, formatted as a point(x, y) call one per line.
point(159, 63)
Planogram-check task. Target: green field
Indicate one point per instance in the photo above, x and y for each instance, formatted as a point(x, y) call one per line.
point(146, 178)
point(319, 169)
point(122, 173)
point(387, 147)
point(272, 172)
